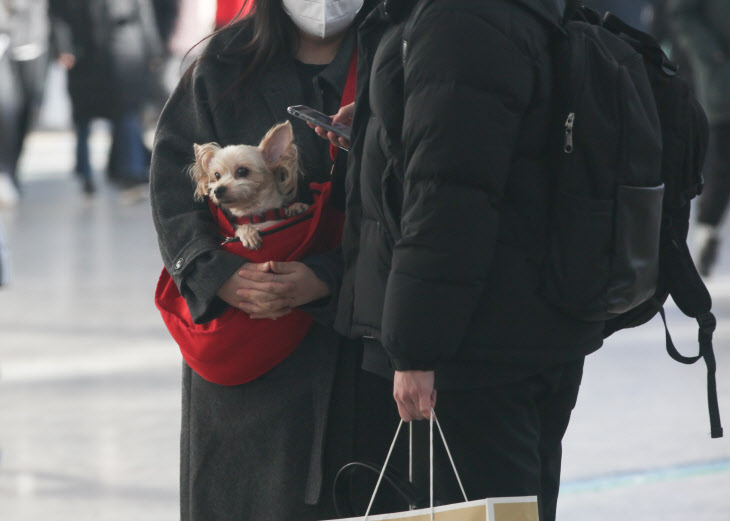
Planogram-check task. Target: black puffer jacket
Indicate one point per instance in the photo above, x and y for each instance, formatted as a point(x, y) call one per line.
point(448, 193)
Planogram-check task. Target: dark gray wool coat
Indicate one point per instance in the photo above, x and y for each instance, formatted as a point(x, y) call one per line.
point(253, 451)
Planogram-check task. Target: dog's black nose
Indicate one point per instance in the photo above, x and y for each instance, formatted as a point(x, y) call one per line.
point(220, 191)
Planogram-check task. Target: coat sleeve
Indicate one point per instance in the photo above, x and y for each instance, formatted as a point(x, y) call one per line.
point(329, 268)
point(187, 235)
point(693, 33)
point(466, 88)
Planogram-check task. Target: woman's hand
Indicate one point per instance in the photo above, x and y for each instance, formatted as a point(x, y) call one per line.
point(304, 286)
point(257, 291)
point(271, 289)
point(297, 283)
point(344, 116)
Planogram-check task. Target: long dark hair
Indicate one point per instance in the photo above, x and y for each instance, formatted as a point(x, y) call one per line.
point(273, 36)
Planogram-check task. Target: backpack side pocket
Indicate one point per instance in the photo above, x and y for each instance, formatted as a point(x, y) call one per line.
point(635, 265)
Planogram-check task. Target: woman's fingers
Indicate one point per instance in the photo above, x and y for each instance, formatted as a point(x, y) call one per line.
point(282, 268)
point(257, 266)
point(321, 131)
point(257, 275)
point(255, 296)
point(264, 308)
point(344, 115)
point(338, 141)
point(262, 277)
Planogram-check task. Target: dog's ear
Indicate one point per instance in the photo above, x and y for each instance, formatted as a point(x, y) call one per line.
point(275, 143)
point(282, 157)
point(204, 153)
point(287, 179)
point(199, 170)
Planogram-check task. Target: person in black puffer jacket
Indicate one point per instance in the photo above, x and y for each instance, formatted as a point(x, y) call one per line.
point(448, 197)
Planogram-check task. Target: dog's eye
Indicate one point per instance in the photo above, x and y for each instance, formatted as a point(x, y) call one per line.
point(217, 176)
point(242, 171)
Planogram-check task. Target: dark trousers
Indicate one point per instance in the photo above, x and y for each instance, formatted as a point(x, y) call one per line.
point(83, 161)
point(716, 194)
point(21, 92)
point(10, 108)
point(127, 155)
point(506, 440)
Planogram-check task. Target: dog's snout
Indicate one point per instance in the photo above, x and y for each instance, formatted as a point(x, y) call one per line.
point(220, 191)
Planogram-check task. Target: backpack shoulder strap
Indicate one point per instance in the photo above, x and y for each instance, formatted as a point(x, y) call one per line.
point(707, 325)
point(691, 296)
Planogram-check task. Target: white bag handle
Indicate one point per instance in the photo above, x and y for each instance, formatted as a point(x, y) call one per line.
point(390, 451)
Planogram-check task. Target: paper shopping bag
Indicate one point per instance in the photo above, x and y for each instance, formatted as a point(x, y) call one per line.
point(490, 509)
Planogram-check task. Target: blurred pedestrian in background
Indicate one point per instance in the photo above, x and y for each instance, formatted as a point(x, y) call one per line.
point(166, 12)
point(195, 20)
point(24, 50)
point(112, 48)
point(702, 28)
point(166, 15)
point(9, 110)
point(662, 29)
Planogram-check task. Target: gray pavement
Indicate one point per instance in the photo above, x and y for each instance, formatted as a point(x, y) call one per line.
point(89, 379)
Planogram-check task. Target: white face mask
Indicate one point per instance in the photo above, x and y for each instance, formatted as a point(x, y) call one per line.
point(322, 18)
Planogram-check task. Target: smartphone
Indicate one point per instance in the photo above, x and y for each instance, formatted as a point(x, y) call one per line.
point(315, 117)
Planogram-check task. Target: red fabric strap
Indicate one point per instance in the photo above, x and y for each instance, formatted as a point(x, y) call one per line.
point(275, 214)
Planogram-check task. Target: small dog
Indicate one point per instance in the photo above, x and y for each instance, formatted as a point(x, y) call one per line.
point(252, 185)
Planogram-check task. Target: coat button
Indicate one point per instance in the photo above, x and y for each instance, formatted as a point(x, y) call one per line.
point(178, 263)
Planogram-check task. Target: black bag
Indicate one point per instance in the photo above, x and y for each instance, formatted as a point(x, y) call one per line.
point(399, 485)
point(685, 136)
point(604, 253)
point(622, 204)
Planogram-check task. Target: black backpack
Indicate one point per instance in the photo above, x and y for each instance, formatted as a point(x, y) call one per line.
point(630, 144)
point(633, 142)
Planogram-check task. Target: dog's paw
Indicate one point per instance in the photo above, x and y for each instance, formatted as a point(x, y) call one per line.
point(296, 209)
point(249, 236)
